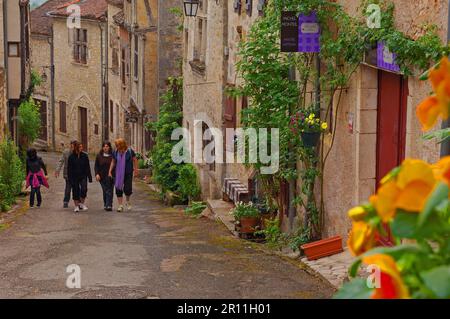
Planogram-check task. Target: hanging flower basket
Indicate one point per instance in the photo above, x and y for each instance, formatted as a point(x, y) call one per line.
point(310, 139)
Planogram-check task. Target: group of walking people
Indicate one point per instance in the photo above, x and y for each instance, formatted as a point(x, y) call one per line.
point(114, 169)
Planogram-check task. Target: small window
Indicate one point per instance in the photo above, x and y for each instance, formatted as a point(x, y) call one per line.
point(80, 49)
point(115, 61)
point(13, 49)
point(237, 5)
point(96, 129)
point(123, 67)
point(136, 57)
point(62, 117)
point(249, 7)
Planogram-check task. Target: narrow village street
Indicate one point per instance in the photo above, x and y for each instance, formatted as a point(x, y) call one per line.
point(151, 252)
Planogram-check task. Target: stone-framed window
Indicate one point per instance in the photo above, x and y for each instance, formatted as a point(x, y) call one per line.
point(62, 117)
point(200, 40)
point(115, 61)
point(136, 57)
point(123, 67)
point(237, 6)
point(261, 5)
point(249, 7)
point(13, 49)
point(80, 46)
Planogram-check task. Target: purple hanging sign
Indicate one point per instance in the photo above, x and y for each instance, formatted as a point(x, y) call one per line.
point(308, 33)
point(386, 58)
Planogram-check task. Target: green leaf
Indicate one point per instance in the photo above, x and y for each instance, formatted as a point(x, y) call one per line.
point(439, 195)
point(353, 270)
point(355, 289)
point(438, 281)
point(441, 135)
point(404, 225)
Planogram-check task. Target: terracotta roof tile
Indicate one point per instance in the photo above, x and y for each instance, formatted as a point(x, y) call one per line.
point(117, 3)
point(41, 22)
point(41, 17)
point(90, 9)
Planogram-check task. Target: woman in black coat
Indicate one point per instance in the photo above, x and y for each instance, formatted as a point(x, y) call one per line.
point(79, 171)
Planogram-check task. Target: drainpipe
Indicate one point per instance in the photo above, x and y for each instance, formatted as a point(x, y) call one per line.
point(52, 76)
point(224, 82)
point(5, 50)
point(445, 146)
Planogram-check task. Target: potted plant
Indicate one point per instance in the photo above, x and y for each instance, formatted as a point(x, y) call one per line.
point(323, 248)
point(248, 216)
point(309, 126)
point(267, 211)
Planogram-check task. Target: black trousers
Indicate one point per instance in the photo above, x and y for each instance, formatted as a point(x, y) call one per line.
point(35, 192)
point(127, 187)
point(107, 187)
point(79, 189)
point(67, 191)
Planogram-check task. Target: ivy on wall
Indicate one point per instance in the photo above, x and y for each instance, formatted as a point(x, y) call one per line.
point(274, 98)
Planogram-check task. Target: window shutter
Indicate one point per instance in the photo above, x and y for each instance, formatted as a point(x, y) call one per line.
point(70, 36)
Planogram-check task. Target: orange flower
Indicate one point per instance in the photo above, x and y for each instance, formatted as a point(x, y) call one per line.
point(361, 239)
point(438, 104)
point(409, 190)
point(391, 283)
point(441, 170)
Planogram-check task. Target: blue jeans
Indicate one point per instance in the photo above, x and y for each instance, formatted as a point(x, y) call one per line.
point(107, 187)
point(67, 191)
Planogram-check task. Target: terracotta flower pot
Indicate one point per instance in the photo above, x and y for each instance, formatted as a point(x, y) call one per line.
point(249, 224)
point(310, 139)
point(323, 248)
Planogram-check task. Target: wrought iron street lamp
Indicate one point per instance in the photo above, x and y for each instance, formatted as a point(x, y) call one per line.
point(191, 8)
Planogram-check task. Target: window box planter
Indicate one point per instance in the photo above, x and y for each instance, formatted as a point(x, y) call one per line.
point(323, 248)
point(310, 139)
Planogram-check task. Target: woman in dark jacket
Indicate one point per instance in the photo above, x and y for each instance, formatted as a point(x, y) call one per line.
point(35, 177)
point(102, 165)
point(78, 171)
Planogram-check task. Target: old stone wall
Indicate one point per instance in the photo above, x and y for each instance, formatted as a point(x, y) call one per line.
point(78, 85)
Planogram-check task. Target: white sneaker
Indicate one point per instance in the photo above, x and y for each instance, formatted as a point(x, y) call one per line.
point(83, 207)
point(120, 209)
point(128, 206)
point(76, 210)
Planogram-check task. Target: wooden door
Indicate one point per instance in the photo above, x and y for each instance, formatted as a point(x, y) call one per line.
point(391, 125)
point(43, 134)
point(83, 127)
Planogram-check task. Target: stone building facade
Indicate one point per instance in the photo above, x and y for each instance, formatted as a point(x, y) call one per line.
point(73, 59)
point(15, 62)
point(357, 160)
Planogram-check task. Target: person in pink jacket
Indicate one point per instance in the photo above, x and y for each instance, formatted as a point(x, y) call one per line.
point(35, 176)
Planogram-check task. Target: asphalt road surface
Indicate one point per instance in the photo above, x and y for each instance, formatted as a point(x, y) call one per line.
point(151, 252)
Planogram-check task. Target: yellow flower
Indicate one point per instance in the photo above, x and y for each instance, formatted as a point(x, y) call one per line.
point(437, 105)
point(312, 116)
point(357, 213)
point(324, 126)
point(361, 238)
point(391, 285)
point(409, 190)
